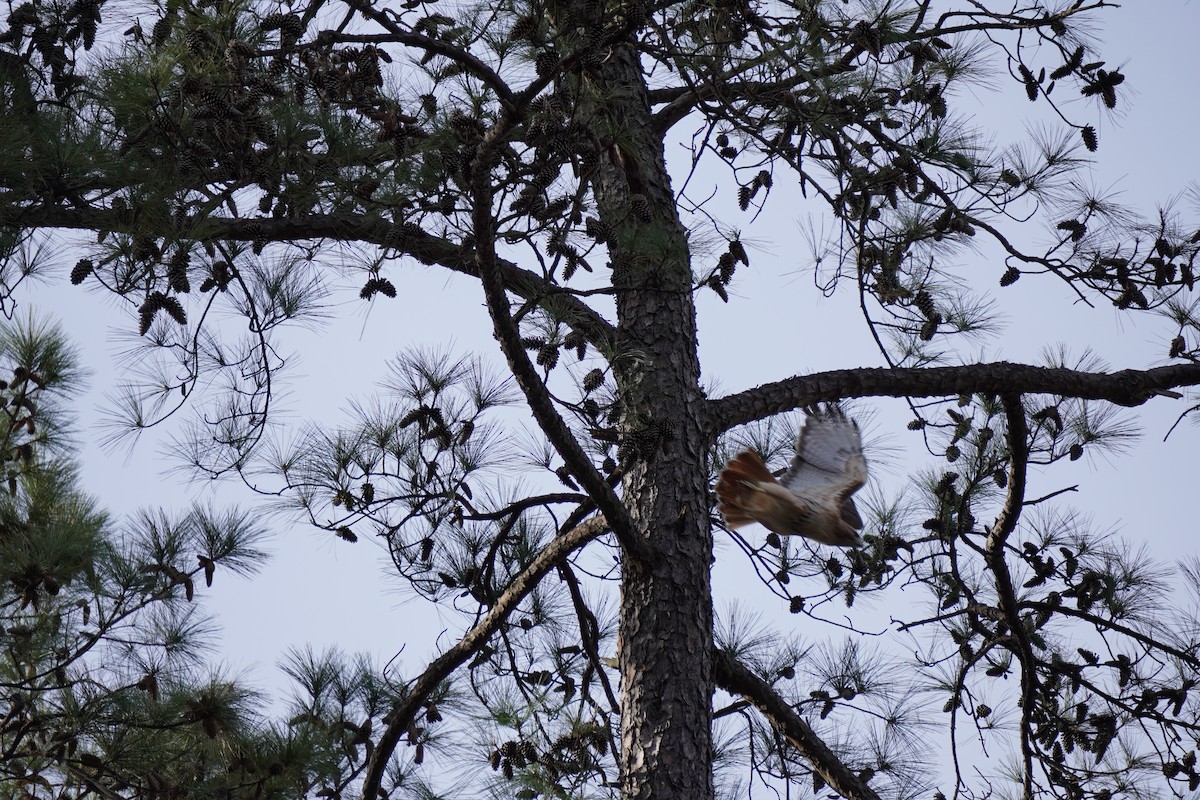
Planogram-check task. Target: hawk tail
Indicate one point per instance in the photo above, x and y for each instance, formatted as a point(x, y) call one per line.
point(735, 483)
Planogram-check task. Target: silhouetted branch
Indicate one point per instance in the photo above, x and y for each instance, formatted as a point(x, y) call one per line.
point(1130, 387)
point(403, 715)
point(526, 375)
point(589, 631)
point(734, 678)
point(1103, 624)
point(427, 249)
point(435, 46)
point(527, 503)
point(1006, 523)
point(682, 100)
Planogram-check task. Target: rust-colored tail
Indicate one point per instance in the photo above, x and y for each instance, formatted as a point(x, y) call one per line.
point(734, 483)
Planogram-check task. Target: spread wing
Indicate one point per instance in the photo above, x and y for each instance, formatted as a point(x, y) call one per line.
point(829, 463)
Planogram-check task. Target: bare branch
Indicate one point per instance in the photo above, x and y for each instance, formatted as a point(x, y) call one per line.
point(536, 395)
point(1006, 523)
point(441, 667)
point(527, 503)
point(427, 249)
point(1102, 623)
point(682, 100)
point(737, 680)
point(431, 45)
point(1130, 387)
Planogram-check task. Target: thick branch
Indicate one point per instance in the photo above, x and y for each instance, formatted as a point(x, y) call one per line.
point(741, 682)
point(425, 248)
point(1128, 387)
point(537, 396)
point(1005, 524)
point(403, 715)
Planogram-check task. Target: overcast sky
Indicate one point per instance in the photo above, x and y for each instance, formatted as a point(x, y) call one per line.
point(323, 591)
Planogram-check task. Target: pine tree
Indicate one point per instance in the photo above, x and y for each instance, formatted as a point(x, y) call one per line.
point(104, 686)
point(217, 150)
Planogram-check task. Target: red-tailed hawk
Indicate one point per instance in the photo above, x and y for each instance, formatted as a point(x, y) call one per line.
point(812, 499)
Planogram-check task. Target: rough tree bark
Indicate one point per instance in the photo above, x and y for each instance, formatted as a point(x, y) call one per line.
point(665, 631)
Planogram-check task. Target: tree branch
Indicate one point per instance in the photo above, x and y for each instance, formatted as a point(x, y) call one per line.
point(527, 503)
point(589, 633)
point(404, 714)
point(679, 101)
point(507, 332)
point(427, 249)
point(1006, 523)
point(1128, 387)
point(739, 681)
point(1100, 623)
point(460, 56)
point(682, 100)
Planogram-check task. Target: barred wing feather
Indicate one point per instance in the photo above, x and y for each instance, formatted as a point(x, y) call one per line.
point(829, 462)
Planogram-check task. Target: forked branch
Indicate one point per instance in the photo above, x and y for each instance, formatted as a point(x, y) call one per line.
point(399, 34)
point(536, 394)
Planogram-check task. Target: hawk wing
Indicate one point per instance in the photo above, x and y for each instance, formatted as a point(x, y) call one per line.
point(829, 464)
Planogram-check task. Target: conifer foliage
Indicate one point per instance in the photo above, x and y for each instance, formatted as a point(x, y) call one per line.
point(219, 157)
point(104, 689)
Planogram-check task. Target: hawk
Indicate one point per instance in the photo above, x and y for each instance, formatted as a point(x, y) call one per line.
point(812, 499)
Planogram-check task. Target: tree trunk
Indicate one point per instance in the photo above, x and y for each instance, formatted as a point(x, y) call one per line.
point(666, 605)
